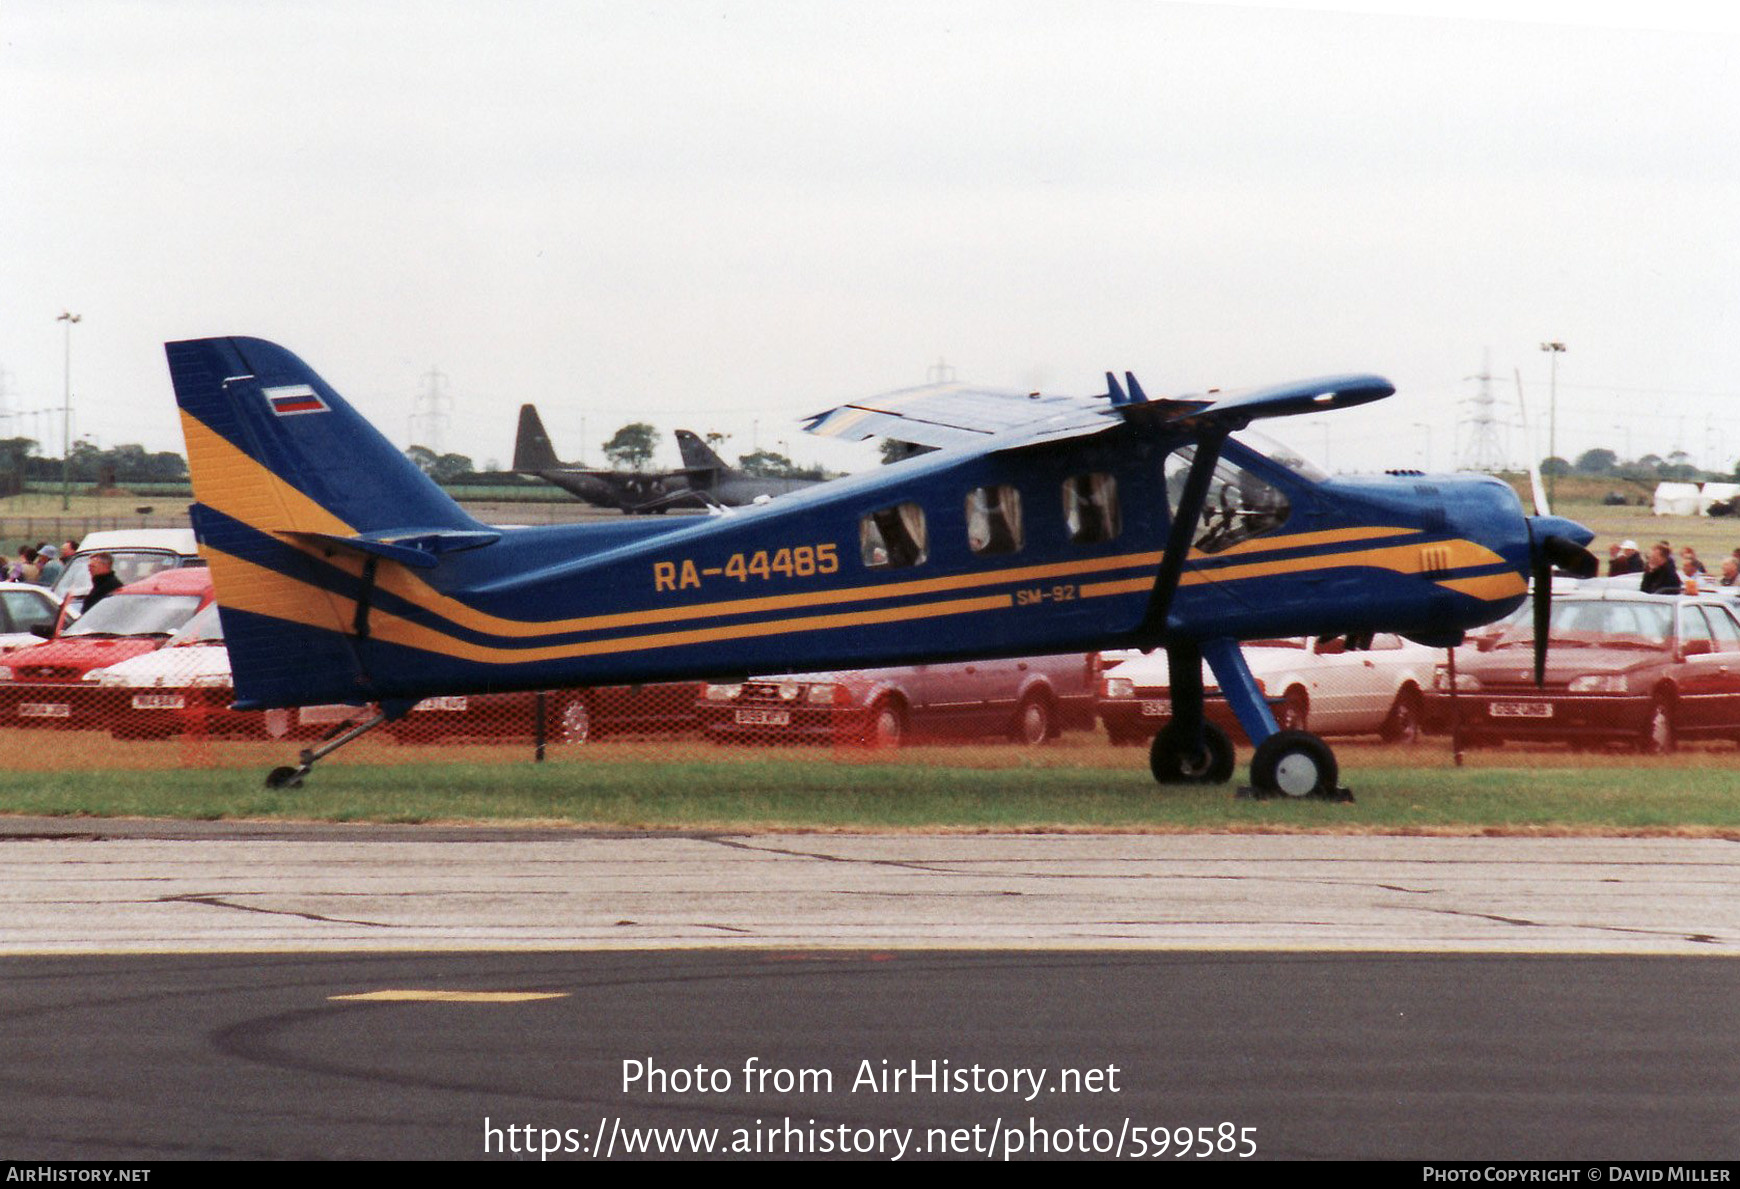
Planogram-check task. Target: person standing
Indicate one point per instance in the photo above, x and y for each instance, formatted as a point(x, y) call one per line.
point(103, 580)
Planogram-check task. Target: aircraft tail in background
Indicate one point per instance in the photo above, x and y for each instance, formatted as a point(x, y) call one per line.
point(532, 449)
point(697, 455)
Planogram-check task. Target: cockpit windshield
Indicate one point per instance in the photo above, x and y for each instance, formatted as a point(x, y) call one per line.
point(1281, 454)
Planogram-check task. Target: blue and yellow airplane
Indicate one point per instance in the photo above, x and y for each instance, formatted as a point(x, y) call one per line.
point(1039, 524)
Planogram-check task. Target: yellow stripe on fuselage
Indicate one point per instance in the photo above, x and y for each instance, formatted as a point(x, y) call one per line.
point(1403, 559)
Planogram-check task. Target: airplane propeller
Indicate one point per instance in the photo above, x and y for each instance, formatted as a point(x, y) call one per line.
point(1550, 545)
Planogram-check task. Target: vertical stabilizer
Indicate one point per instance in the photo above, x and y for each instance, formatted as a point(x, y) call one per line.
point(279, 460)
point(697, 455)
point(532, 449)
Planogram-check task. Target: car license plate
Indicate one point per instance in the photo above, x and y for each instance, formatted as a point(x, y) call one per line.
point(1156, 707)
point(1522, 710)
point(449, 703)
point(159, 702)
point(764, 718)
point(44, 710)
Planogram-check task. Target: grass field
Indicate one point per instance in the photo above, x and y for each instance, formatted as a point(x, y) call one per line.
point(1078, 784)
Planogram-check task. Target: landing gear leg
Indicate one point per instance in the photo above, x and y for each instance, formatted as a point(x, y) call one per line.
point(1286, 763)
point(291, 778)
point(1189, 750)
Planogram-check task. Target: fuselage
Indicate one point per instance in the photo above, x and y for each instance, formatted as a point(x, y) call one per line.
point(947, 556)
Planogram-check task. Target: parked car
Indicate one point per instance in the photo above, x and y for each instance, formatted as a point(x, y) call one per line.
point(43, 685)
point(570, 715)
point(185, 688)
point(137, 553)
point(1028, 699)
point(24, 607)
point(1331, 685)
point(1622, 667)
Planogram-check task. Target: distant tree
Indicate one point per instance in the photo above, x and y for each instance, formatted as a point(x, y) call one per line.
point(1597, 462)
point(632, 447)
point(766, 464)
point(451, 468)
point(422, 458)
point(1680, 468)
point(1555, 466)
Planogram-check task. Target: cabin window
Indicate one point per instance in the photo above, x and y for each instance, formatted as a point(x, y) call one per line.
point(1090, 508)
point(994, 519)
point(1240, 504)
point(894, 537)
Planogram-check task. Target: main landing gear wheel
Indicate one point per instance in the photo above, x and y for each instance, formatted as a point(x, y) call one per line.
point(1174, 761)
point(1296, 764)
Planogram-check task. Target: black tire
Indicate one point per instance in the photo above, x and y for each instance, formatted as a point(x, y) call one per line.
point(1294, 764)
point(1295, 708)
point(1403, 723)
point(886, 726)
point(1170, 762)
point(574, 724)
point(284, 778)
point(1035, 721)
point(1660, 737)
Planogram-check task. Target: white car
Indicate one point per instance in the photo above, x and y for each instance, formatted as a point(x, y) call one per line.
point(23, 606)
point(1325, 685)
point(185, 688)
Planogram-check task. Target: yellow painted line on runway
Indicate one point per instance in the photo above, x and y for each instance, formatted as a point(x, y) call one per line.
point(450, 996)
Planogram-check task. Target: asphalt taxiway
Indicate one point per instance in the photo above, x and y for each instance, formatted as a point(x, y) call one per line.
point(230, 990)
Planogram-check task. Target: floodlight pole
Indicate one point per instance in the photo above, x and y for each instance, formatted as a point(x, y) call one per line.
point(66, 415)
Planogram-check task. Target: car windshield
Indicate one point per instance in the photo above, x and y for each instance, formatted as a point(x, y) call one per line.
point(204, 628)
point(131, 565)
point(1597, 622)
point(123, 614)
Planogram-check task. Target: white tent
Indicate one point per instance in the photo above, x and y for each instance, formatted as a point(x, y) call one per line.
point(1678, 499)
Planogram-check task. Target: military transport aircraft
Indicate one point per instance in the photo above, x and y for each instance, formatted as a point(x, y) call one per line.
point(1041, 524)
point(705, 479)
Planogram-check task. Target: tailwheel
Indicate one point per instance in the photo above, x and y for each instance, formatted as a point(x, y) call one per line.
point(1174, 760)
point(292, 777)
point(1296, 764)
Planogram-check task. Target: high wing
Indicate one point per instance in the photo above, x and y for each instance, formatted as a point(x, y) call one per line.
point(957, 415)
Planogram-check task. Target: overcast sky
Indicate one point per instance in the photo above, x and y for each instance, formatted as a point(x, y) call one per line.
point(723, 215)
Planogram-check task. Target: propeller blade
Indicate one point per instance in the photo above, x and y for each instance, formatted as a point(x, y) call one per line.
point(1570, 557)
point(1543, 600)
point(1538, 489)
point(1547, 550)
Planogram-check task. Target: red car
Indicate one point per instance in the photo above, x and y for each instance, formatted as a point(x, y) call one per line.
point(1026, 699)
point(44, 685)
point(1623, 667)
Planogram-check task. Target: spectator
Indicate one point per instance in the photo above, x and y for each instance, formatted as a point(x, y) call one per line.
point(103, 580)
point(1627, 561)
point(51, 565)
point(1661, 577)
point(1690, 566)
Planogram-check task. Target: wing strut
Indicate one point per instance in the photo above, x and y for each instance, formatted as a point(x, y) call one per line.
point(1184, 521)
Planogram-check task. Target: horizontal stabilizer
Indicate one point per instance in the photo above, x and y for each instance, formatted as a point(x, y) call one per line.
point(419, 549)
